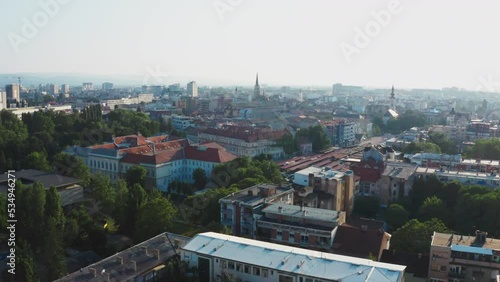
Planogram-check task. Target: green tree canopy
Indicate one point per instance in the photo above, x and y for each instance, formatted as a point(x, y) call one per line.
point(415, 236)
point(418, 147)
point(200, 178)
point(154, 218)
point(396, 216)
point(485, 149)
point(136, 175)
point(366, 206)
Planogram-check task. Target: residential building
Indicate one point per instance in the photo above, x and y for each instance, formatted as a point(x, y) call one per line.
point(479, 165)
point(301, 226)
point(87, 86)
point(334, 190)
point(13, 92)
point(435, 160)
point(461, 258)
point(3, 100)
point(361, 238)
point(69, 189)
point(143, 262)
point(65, 89)
point(192, 89)
point(477, 129)
point(465, 177)
point(370, 170)
point(217, 255)
point(246, 140)
point(301, 177)
point(29, 110)
point(165, 160)
point(106, 86)
point(157, 90)
point(341, 132)
point(182, 122)
point(396, 182)
point(239, 211)
point(53, 89)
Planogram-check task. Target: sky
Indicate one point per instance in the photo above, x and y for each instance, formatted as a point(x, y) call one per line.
point(406, 43)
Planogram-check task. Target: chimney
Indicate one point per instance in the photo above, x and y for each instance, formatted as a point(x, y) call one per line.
point(93, 271)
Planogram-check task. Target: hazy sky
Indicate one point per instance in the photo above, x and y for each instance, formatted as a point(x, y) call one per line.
point(289, 42)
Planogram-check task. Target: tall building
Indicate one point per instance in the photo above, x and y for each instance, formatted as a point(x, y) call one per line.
point(3, 100)
point(87, 86)
point(464, 258)
point(53, 89)
point(256, 89)
point(65, 88)
point(13, 92)
point(192, 89)
point(107, 86)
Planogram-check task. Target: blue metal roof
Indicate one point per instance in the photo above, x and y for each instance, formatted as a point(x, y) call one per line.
point(472, 250)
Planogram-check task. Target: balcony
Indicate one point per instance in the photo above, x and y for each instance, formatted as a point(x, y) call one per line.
point(454, 274)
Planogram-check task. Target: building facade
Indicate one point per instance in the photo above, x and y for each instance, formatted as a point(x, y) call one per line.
point(13, 92)
point(219, 256)
point(192, 89)
point(301, 226)
point(460, 258)
point(239, 211)
point(246, 140)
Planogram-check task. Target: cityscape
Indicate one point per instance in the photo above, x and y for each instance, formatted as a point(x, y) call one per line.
point(235, 141)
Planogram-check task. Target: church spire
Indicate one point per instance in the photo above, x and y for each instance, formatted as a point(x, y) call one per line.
point(257, 80)
point(392, 93)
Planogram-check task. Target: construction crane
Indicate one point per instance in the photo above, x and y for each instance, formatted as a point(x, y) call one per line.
point(18, 79)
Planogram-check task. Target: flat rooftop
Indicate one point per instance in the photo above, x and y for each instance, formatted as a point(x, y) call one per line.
point(294, 260)
point(252, 195)
point(48, 179)
point(448, 240)
point(457, 173)
point(120, 267)
point(303, 212)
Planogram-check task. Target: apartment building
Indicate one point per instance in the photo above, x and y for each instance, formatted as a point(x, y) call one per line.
point(396, 182)
point(341, 132)
point(334, 190)
point(460, 258)
point(239, 211)
point(465, 177)
point(246, 140)
point(301, 226)
point(219, 256)
point(145, 261)
point(435, 160)
point(370, 170)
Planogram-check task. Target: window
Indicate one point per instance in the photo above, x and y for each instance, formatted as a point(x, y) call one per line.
point(247, 269)
point(239, 267)
point(304, 239)
point(256, 271)
point(230, 265)
point(265, 273)
point(223, 263)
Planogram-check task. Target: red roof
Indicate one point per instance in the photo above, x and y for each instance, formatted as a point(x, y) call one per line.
point(207, 154)
point(247, 133)
point(353, 241)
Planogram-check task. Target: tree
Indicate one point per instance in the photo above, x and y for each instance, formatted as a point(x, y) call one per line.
point(121, 202)
point(433, 207)
point(396, 216)
point(316, 135)
point(53, 207)
point(484, 149)
point(418, 147)
point(204, 208)
point(154, 218)
point(48, 98)
point(53, 251)
point(366, 206)
point(137, 198)
point(38, 161)
point(200, 178)
point(415, 236)
point(136, 175)
point(3, 211)
point(25, 265)
point(445, 145)
point(72, 166)
point(103, 191)
point(31, 222)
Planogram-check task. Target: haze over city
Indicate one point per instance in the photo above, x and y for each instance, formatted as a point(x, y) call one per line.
point(422, 44)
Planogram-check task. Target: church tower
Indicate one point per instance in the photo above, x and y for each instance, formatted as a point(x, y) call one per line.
point(256, 89)
point(393, 99)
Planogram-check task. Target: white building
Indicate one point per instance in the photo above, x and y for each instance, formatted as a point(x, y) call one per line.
point(3, 100)
point(301, 177)
point(182, 122)
point(192, 89)
point(218, 255)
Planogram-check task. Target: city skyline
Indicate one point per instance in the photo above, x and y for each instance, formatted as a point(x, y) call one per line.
point(406, 43)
